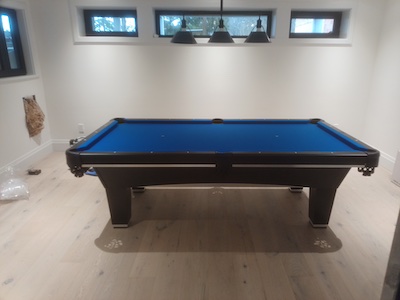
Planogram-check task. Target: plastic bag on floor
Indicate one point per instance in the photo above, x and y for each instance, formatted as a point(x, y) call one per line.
point(12, 187)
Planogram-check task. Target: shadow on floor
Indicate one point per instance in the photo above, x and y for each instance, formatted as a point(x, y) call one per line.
point(218, 220)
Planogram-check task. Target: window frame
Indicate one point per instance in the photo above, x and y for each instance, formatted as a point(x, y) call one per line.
point(5, 68)
point(118, 13)
point(238, 13)
point(337, 16)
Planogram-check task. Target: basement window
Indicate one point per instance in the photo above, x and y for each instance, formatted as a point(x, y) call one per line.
point(315, 24)
point(203, 23)
point(110, 22)
point(12, 61)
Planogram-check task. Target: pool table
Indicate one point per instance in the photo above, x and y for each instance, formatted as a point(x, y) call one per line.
point(130, 153)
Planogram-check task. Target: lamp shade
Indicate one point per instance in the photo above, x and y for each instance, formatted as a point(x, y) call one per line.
point(221, 35)
point(183, 36)
point(258, 36)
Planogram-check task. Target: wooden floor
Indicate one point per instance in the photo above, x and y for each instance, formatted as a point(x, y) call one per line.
point(194, 243)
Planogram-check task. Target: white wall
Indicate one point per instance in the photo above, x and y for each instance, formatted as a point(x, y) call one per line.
point(15, 144)
point(14, 137)
point(91, 83)
point(383, 117)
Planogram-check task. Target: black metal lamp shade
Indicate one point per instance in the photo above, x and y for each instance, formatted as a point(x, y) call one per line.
point(258, 36)
point(183, 36)
point(221, 35)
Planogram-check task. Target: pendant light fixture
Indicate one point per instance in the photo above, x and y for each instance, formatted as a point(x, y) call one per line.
point(258, 36)
point(183, 36)
point(221, 35)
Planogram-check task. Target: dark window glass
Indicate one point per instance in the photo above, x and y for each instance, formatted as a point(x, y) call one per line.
point(204, 23)
point(11, 56)
point(315, 24)
point(110, 22)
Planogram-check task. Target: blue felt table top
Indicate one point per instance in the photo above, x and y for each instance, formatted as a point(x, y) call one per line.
point(230, 137)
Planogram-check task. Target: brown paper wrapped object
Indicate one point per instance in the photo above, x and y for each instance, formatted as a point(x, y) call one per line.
point(34, 116)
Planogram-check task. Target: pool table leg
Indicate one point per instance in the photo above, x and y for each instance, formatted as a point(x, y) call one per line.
point(119, 202)
point(320, 206)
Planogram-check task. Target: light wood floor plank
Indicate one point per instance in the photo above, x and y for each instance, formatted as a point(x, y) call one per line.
point(248, 242)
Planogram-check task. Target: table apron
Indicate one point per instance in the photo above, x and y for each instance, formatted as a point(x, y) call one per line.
point(150, 165)
point(316, 166)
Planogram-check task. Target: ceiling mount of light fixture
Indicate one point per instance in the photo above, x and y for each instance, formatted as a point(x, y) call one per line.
point(183, 36)
point(258, 36)
point(221, 35)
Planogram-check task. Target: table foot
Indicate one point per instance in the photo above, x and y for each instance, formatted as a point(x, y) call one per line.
point(120, 225)
point(138, 189)
point(296, 189)
point(318, 225)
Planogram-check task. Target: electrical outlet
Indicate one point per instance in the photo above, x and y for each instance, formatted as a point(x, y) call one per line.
point(81, 128)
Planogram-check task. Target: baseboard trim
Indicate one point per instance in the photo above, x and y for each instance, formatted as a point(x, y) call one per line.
point(60, 145)
point(27, 160)
point(386, 161)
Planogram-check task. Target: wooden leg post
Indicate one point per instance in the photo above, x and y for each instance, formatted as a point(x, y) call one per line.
point(119, 202)
point(320, 206)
